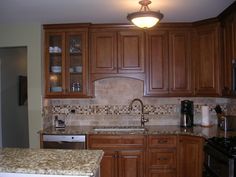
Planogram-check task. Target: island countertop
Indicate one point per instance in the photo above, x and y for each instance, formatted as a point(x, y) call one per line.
point(50, 161)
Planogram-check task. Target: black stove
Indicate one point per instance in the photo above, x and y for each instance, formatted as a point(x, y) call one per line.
point(225, 145)
point(220, 157)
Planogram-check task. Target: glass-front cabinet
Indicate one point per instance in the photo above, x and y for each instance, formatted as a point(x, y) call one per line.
point(66, 63)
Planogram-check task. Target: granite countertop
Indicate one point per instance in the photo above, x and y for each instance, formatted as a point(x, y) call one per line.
point(50, 162)
point(205, 132)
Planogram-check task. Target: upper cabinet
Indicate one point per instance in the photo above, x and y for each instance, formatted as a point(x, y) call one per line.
point(116, 51)
point(103, 52)
point(179, 59)
point(206, 59)
point(66, 62)
point(168, 63)
point(157, 63)
point(180, 72)
point(229, 56)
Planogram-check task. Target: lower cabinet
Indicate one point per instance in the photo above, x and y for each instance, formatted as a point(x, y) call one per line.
point(109, 164)
point(161, 158)
point(190, 156)
point(149, 155)
point(123, 155)
point(131, 163)
point(122, 163)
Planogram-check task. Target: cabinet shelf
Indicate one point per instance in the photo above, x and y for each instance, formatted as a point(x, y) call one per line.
point(76, 53)
point(75, 73)
point(55, 53)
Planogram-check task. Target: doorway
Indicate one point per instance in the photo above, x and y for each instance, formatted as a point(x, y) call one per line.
point(13, 98)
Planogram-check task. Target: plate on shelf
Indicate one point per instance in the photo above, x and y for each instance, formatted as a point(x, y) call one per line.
point(78, 69)
point(56, 69)
point(56, 89)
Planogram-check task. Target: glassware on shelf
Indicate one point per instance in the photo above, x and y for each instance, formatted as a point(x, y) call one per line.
point(75, 87)
point(56, 69)
point(75, 46)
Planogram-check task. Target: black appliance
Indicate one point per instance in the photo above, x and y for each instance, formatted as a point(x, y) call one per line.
point(220, 157)
point(186, 119)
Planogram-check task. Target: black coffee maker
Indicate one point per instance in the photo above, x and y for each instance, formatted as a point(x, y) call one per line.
point(186, 119)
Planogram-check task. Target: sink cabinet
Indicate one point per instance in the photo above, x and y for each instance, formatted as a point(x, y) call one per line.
point(124, 155)
point(66, 61)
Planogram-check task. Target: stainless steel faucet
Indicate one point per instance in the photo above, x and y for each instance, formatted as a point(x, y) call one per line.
point(143, 120)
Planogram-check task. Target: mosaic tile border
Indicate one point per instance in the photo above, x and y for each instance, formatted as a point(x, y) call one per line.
point(167, 109)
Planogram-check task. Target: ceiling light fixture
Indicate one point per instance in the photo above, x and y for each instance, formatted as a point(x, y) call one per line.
point(145, 18)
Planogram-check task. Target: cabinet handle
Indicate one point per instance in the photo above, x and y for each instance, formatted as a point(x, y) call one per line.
point(116, 156)
point(162, 141)
point(162, 158)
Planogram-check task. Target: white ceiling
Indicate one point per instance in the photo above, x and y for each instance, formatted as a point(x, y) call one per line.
point(104, 11)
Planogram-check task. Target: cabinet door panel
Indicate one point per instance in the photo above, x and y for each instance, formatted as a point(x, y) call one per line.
point(131, 51)
point(207, 61)
point(229, 46)
point(54, 63)
point(190, 153)
point(103, 52)
point(109, 164)
point(180, 63)
point(131, 163)
point(157, 64)
point(76, 63)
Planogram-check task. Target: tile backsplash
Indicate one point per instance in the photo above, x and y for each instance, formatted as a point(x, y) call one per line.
point(111, 106)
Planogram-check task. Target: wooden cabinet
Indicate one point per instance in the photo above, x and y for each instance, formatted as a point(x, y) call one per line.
point(229, 47)
point(103, 52)
point(161, 160)
point(168, 63)
point(117, 51)
point(66, 62)
point(190, 156)
point(180, 72)
point(109, 164)
point(206, 54)
point(124, 155)
point(156, 83)
point(131, 163)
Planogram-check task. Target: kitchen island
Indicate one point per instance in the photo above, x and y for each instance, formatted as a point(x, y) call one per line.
point(19, 162)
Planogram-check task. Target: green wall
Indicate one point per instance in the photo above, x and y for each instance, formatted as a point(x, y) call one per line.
point(29, 35)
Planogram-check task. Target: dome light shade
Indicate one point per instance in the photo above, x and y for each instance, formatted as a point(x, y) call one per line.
point(145, 18)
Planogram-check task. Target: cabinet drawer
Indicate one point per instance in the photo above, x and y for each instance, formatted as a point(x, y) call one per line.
point(162, 141)
point(116, 141)
point(162, 158)
point(162, 173)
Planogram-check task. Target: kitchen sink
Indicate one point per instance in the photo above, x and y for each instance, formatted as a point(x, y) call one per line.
point(115, 128)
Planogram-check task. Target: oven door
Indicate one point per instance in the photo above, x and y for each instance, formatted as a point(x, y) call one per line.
point(217, 164)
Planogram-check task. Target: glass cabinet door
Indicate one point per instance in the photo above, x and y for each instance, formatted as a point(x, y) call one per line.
point(75, 63)
point(66, 64)
point(55, 63)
